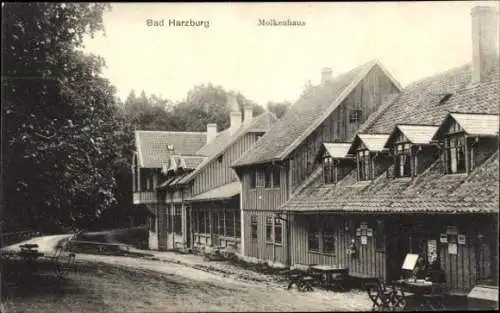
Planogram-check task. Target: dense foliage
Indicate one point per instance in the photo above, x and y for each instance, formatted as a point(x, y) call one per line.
point(61, 138)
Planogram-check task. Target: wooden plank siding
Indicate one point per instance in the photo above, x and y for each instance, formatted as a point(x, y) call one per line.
point(217, 173)
point(369, 262)
point(372, 91)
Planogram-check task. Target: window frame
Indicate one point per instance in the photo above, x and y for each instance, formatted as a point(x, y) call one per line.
point(314, 231)
point(355, 116)
point(177, 227)
point(456, 142)
point(276, 176)
point(402, 150)
point(228, 223)
point(267, 178)
point(317, 230)
point(253, 179)
point(269, 224)
point(364, 165)
point(278, 224)
point(329, 170)
point(380, 240)
point(254, 223)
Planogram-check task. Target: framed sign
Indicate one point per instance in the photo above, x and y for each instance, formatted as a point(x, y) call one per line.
point(461, 239)
point(452, 248)
point(443, 238)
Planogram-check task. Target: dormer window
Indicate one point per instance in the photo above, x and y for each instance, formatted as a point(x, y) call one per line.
point(355, 116)
point(364, 165)
point(402, 160)
point(455, 154)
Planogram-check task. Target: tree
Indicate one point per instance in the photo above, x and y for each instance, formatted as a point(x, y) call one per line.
point(63, 140)
point(278, 108)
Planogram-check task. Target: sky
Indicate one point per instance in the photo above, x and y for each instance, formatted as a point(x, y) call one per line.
point(272, 63)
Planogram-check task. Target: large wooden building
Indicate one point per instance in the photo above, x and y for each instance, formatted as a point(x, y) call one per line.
point(154, 150)
point(283, 160)
point(201, 206)
point(420, 176)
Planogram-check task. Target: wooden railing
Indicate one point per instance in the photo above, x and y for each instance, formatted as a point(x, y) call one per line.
point(142, 197)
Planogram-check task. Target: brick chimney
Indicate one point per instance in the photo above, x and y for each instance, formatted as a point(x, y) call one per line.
point(211, 132)
point(326, 75)
point(247, 114)
point(235, 116)
point(484, 42)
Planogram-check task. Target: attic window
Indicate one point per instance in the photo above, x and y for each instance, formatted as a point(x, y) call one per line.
point(170, 147)
point(329, 171)
point(444, 98)
point(364, 165)
point(355, 116)
point(402, 161)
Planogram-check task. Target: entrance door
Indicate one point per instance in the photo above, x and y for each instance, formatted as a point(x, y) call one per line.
point(398, 245)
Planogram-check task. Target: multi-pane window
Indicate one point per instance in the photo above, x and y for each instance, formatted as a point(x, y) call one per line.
point(278, 230)
point(276, 177)
point(229, 222)
point(321, 234)
point(178, 220)
point(455, 154)
point(364, 165)
point(269, 229)
point(267, 178)
point(355, 116)
point(253, 227)
point(402, 158)
point(253, 179)
point(329, 170)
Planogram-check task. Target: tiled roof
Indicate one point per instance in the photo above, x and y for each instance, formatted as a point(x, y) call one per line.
point(153, 146)
point(416, 134)
point(337, 150)
point(219, 193)
point(304, 116)
point(426, 102)
point(431, 192)
point(477, 124)
point(224, 140)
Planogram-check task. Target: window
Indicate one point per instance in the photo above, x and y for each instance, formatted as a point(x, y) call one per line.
point(276, 177)
point(253, 227)
point(237, 224)
point(328, 237)
point(364, 165)
point(329, 170)
point(402, 160)
point(169, 219)
point(267, 178)
point(201, 222)
point(278, 231)
point(380, 236)
point(269, 229)
point(218, 223)
point(253, 179)
point(455, 154)
point(178, 220)
point(355, 116)
point(229, 223)
point(313, 235)
point(219, 159)
point(322, 235)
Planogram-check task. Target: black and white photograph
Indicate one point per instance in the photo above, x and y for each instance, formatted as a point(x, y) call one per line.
point(249, 156)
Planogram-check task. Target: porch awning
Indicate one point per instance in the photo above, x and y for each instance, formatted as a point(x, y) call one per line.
point(220, 193)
